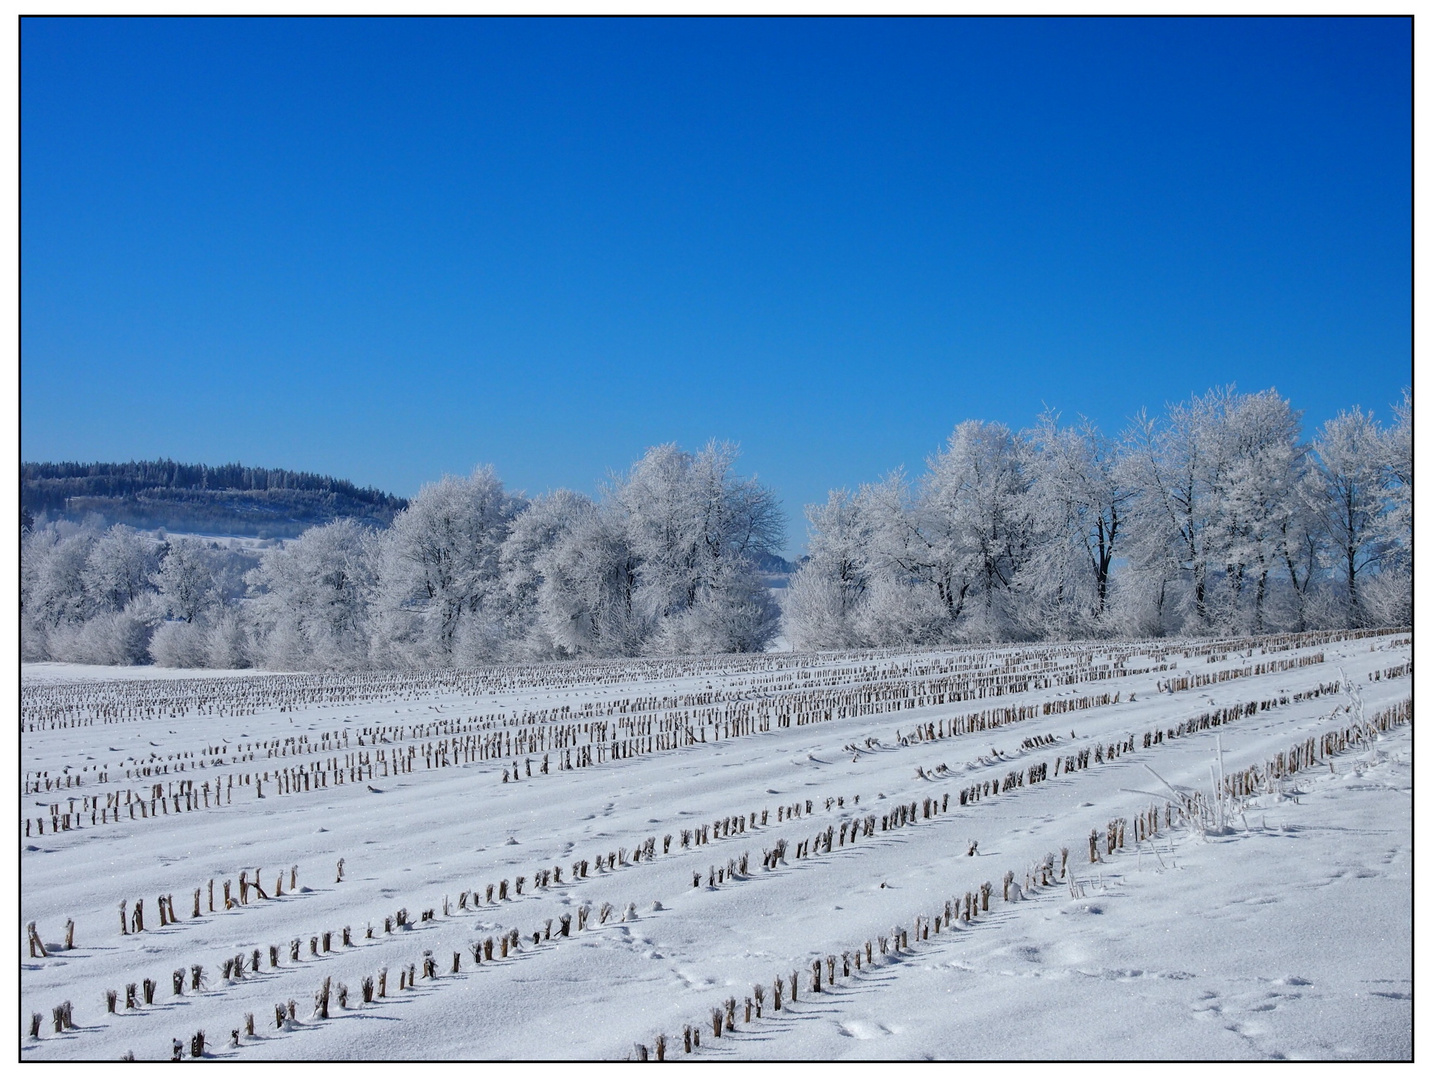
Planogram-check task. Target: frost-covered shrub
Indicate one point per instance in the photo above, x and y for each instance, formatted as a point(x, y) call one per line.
point(1388, 598)
point(228, 643)
point(178, 644)
point(113, 637)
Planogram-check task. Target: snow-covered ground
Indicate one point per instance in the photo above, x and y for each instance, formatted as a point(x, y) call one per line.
point(55, 671)
point(1284, 934)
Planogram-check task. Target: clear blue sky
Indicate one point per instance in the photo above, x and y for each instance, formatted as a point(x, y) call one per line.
point(391, 249)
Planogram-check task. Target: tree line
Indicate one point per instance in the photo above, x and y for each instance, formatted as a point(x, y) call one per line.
point(666, 561)
point(115, 479)
point(1212, 518)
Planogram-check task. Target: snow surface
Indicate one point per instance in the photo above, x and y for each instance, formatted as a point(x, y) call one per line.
point(57, 671)
point(1288, 935)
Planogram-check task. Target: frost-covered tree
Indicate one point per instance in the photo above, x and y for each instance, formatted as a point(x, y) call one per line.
point(1389, 594)
point(539, 529)
point(53, 557)
point(1079, 503)
point(119, 569)
point(1218, 536)
point(191, 597)
point(186, 580)
point(921, 576)
point(1299, 550)
point(1176, 463)
point(1399, 479)
point(59, 555)
point(974, 503)
point(120, 602)
point(694, 527)
point(905, 565)
point(827, 593)
point(439, 573)
point(312, 598)
point(588, 602)
point(1261, 464)
point(1346, 489)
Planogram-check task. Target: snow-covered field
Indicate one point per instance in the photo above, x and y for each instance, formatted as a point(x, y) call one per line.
point(1274, 924)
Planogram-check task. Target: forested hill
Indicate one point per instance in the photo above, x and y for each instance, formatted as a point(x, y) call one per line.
point(231, 500)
